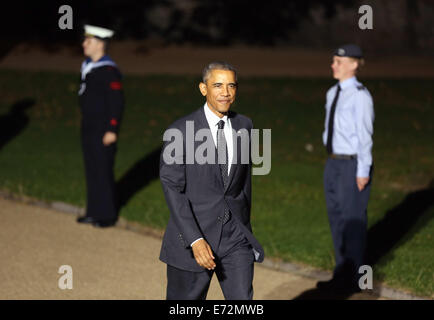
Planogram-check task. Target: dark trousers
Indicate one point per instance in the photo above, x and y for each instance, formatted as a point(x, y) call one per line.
point(347, 213)
point(98, 163)
point(234, 270)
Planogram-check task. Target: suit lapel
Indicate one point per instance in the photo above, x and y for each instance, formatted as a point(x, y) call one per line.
point(203, 123)
point(236, 159)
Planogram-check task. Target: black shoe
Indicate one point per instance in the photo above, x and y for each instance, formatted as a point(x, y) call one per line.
point(326, 285)
point(104, 223)
point(322, 284)
point(338, 285)
point(85, 219)
point(350, 289)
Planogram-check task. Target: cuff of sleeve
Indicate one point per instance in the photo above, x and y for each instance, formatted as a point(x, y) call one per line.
point(112, 129)
point(191, 245)
point(362, 171)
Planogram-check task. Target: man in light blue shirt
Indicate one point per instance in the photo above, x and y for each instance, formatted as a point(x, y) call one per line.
point(347, 176)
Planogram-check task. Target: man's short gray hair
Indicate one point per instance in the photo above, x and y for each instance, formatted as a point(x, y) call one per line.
point(217, 65)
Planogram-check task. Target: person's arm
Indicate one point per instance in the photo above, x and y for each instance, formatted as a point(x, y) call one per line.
point(115, 104)
point(172, 177)
point(364, 114)
point(192, 244)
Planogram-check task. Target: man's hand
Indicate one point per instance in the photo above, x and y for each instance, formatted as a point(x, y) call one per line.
point(362, 182)
point(203, 254)
point(109, 138)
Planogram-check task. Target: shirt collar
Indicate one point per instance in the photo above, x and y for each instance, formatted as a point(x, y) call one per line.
point(348, 83)
point(103, 58)
point(212, 118)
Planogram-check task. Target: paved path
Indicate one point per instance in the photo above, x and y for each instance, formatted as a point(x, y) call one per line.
point(112, 263)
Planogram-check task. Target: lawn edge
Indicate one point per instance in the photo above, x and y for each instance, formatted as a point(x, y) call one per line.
point(380, 289)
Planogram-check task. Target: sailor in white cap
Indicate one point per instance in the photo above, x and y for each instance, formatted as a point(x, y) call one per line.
point(102, 102)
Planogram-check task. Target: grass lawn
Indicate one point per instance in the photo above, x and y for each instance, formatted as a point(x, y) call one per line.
point(43, 159)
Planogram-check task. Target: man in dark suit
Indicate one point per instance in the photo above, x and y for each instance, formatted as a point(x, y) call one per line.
point(209, 226)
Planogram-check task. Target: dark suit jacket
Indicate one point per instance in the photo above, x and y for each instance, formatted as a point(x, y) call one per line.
point(197, 199)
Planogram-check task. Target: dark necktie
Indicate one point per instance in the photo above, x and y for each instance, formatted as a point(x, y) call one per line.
point(222, 156)
point(331, 122)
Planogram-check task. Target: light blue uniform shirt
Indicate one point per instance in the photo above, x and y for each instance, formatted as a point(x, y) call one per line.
point(353, 123)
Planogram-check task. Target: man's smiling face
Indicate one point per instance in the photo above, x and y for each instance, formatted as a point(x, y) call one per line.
point(220, 90)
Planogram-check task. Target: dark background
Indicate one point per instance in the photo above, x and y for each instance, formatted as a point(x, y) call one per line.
point(403, 26)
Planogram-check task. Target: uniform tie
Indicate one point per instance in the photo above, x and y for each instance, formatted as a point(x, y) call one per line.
point(222, 156)
point(331, 122)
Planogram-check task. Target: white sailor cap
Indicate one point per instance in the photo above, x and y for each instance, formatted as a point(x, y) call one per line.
point(98, 32)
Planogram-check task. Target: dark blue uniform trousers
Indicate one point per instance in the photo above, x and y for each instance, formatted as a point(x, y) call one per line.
point(347, 213)
point(100, 183)
point(234, 269)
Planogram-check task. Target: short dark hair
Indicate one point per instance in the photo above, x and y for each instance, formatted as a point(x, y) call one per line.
point(217, 65)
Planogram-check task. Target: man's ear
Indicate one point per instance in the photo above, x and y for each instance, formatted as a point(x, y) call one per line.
point(355, 65)
point(202, 88)
point(100, 44)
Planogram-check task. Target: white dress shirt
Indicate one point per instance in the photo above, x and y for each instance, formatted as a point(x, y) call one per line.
point(353, 123)
point(213, 121)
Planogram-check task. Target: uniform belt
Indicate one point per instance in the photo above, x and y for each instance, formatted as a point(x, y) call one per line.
point(343, 156)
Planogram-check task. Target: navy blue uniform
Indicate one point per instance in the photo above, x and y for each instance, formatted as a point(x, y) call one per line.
point(102, 103)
